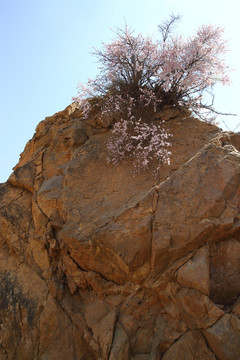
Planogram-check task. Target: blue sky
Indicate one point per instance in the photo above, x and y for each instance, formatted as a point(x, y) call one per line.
point(45, 53)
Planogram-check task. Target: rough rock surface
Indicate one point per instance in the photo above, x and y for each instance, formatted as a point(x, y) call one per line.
point(97, 264)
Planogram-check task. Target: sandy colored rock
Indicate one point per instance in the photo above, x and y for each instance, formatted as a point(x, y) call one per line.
point(190, 346)
point(224, 337)
point(96, 263)
point(120, 345)
point(193, 204)
point(236, 307)
point(197, 310)
point(195, 272)
point(225, 271)
point(140, 357)
point(24, 176)
point(167, 113)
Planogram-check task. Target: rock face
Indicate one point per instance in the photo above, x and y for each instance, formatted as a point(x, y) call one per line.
point(98, 264)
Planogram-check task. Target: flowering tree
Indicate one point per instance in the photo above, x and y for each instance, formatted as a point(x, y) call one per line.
point(139, 76)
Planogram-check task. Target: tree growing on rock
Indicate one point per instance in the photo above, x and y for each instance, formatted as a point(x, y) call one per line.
point(139, 77)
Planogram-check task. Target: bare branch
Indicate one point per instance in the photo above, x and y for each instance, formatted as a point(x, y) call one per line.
point(167, 26)
point(234, 130)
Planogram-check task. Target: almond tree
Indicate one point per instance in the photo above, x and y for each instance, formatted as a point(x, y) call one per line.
point(139, 76)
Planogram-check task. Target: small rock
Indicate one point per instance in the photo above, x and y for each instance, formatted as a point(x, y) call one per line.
point(225, 271)
point(191, 343)
point(224, 337)
point(195, 273)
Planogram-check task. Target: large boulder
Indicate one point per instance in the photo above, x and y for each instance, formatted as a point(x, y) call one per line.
point(98, 263)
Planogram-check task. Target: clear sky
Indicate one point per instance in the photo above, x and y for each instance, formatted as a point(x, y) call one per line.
point(45, 53)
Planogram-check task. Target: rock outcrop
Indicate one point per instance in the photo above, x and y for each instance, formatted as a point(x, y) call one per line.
point(98, 264)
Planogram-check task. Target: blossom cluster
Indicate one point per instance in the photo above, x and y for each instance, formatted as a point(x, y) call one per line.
point(142, 142)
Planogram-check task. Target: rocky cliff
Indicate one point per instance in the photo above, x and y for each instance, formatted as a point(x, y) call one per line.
point(96, 263)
